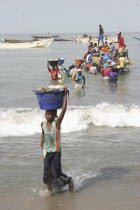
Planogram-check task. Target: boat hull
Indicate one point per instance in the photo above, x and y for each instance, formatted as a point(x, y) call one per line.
point(17, 41)
point(44, 37)
point(87, 40)
point(137, 38)
point(34, 44)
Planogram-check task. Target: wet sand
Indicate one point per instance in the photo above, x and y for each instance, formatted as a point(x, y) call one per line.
point(115, 189)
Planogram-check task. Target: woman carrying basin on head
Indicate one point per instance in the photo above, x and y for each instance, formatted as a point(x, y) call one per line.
point(51, 143)
point(79, 79)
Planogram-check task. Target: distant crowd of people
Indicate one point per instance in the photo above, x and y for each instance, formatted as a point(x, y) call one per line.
point(103, 58)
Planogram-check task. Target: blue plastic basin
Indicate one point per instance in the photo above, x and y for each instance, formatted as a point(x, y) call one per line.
point(50, 100)
point(106, 57)
point(61, 61)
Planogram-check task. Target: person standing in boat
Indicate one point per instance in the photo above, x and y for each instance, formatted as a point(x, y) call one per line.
point(121, 44)
point(101, 35)
point(50, 142)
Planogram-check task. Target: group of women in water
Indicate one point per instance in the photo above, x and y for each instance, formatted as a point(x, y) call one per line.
point(105, 59)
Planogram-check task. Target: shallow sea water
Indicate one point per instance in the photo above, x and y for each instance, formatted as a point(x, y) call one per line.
point(100, 133)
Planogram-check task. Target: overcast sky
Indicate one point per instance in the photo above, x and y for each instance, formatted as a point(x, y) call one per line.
point(43, 16)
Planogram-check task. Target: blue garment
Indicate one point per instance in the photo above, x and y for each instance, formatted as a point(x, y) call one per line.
point(100, 37)
point(113, 77)
point(90, 58)
point(67, 72)
point(105, 65)
point(121, 71)
point(79, 78)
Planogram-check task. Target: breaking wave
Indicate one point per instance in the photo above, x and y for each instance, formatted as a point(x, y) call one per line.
point(26, 121)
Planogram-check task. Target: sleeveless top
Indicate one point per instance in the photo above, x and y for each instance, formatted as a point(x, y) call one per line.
point(79, 78)
point(52, 140)
point(54, 74)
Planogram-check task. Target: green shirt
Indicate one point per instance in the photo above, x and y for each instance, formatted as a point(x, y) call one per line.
point(52, 140)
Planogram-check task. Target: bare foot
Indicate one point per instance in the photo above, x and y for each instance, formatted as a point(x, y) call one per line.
point(71, 186)
point(49, 193)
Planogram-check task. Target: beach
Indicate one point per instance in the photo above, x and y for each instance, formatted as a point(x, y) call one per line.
point(100, 132)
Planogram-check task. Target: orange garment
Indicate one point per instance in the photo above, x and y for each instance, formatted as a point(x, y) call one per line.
point(105, 49)
point(88, 66)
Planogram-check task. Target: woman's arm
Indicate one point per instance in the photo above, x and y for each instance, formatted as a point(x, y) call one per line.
point(48, 66)
point(64, 107)
point(42, 138)
point(75, 79)
point(84, 82)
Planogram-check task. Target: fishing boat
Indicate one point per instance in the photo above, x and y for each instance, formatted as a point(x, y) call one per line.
point(137, 38)
point(34, 44)
point(86, 38)
point(64, 39)
point(95, 40)
point(17, 40)
point(44, 37)
point(96, 36)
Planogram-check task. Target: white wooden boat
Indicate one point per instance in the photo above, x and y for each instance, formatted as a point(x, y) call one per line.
point(95, 40)
point(34, 44)
point(17, 40)
point(44, 37)
point(96, 36)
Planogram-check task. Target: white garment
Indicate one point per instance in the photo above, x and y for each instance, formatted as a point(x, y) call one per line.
point(60, 77)
point(87, 58)
point(106, 78)
point(60, 68)
point(93, 70)
point(78, 86)
point(112, 50)
point(73, 72)
point(96, 48)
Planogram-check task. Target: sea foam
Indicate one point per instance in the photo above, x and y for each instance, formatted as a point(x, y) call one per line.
point(26, 121)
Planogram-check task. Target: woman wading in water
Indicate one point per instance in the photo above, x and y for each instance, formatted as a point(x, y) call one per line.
point(51, 144)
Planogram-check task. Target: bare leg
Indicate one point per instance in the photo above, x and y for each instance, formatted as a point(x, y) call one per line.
point(49, 186)
point(71, 185)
